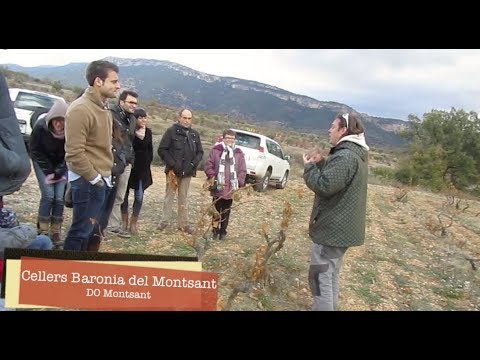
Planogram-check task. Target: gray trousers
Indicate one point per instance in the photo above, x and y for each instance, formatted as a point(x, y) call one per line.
point(323, 276)
point(115, 220)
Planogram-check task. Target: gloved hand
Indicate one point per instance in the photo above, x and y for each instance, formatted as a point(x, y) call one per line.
point(59, 171)
point(57, 175)
point(178, 169)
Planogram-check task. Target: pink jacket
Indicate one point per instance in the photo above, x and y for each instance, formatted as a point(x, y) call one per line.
point(211, 169)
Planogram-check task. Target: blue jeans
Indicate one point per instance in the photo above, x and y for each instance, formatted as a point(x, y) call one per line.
point(42, 242)
point(97, 232)
point(51, 201)
point(87, 201)
point(106, 210)
point(137, 202)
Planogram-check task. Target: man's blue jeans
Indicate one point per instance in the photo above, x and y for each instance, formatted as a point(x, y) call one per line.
point(87, 203)
point(97, 233)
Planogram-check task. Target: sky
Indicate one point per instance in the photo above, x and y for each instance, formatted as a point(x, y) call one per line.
point(390, 83)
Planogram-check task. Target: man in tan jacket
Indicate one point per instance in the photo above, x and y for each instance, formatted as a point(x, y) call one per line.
point(88, 150)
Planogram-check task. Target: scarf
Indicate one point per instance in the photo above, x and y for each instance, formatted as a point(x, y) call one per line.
point(140, 133)
point(227, 154)
point(58, 135)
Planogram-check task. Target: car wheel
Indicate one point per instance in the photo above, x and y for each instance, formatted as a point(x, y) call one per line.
point(283, 183)
point(263, 184)
point(36, 114)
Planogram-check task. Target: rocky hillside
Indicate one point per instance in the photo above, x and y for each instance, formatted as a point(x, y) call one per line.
point(176, 85)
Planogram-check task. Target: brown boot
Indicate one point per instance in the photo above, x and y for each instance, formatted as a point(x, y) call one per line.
point(125, 221)
point(133, 225)
point(43, 225)
point(55, 231)
point(94, 244)
point(95, 239)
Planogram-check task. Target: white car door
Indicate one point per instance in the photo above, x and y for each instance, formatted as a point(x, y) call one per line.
point(274, 159)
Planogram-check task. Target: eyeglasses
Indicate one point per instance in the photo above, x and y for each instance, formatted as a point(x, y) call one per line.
point(345, 116)
point(132, 102)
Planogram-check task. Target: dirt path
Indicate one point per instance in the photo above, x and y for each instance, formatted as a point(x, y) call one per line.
point(402, 266)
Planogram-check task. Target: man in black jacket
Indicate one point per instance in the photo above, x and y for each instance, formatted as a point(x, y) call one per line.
point(14, 160)
point(181, 150)
point(126, 124)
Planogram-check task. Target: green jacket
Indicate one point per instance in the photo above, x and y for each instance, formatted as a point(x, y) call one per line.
point(340, 187)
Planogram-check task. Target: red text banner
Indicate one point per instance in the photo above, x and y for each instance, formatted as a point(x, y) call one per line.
point(98, 286)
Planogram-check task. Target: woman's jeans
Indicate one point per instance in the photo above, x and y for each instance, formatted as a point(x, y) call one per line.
point(51, 201)
point(137, 202)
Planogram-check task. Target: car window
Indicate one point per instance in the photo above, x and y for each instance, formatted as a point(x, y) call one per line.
point(249, 141)
point(279, 151)
point(29, 101)
point(274, 149)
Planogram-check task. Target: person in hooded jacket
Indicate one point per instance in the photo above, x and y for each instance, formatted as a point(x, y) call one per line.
point(337, 222)
point(16, 235)
point(14, 161)
point(226, 165)
point(47, 150)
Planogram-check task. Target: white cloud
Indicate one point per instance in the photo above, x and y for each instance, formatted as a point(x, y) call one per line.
point(379, 82)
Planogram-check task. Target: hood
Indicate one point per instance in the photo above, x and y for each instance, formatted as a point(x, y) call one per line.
point(59, 109)
point(357, 139)
point(359, 148)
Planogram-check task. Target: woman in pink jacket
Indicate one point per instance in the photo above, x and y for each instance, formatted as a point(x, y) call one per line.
point(226, 164)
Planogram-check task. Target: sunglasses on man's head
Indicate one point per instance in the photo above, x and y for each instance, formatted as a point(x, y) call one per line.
point(345, 116)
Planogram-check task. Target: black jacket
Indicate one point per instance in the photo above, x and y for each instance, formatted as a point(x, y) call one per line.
point(127, 124)
point(143, 159)
point(46, 150)
point(181, 150)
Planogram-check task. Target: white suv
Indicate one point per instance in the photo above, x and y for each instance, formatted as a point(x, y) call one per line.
point(266, 163)
point(29, 105)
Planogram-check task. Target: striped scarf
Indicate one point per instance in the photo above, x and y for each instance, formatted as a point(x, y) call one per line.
point(227, 150)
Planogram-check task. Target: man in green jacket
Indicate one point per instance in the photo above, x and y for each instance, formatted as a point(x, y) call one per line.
point(339, 181)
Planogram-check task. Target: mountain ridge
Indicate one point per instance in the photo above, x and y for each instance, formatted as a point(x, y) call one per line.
point(177, 85)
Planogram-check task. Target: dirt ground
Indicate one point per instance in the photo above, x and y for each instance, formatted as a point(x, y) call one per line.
point(405, 263)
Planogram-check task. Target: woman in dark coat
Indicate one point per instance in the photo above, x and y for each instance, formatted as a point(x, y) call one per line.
point(141, 175)
point(47, 149)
